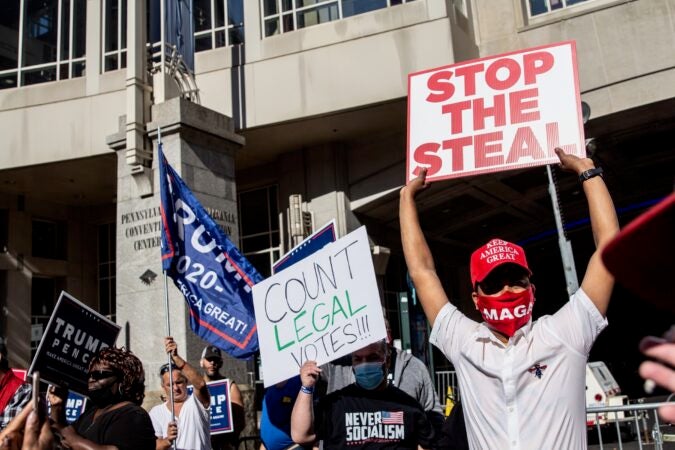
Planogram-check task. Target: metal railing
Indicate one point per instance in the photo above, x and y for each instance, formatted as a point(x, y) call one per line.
point(447, 379)
point(639, 420)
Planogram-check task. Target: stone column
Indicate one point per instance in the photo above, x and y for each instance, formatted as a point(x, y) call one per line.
point(199, 144)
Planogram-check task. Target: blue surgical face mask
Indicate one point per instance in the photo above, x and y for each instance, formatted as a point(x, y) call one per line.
point(369, 375)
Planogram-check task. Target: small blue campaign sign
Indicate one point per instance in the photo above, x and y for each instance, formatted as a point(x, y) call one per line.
point(221, 406)
point(75, 404)
point(315, 242)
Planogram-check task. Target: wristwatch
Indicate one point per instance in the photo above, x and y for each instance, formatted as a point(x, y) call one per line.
point(590, 173)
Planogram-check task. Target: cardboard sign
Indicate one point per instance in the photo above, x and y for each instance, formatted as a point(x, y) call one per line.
point(74, 334)
point(493, 114)
point(315, 242)
point(221, 406)
point(320, 309)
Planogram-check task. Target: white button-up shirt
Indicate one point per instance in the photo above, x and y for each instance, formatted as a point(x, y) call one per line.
point(529, 393)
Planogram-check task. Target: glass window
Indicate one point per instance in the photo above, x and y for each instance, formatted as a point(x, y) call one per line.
point(49, 239)
point(79, 29)
point(305, 13)
point(114, 35)
point(40, 32)
point(43, 295)
point(9, 24)
point(259, 226)
point(538, 7)
point(322, 14)
point(36, 76)
point(219, 23)
point(269, 7)
point(51, 46)
point(106, 270)
point(202, 9)
point(354, 7)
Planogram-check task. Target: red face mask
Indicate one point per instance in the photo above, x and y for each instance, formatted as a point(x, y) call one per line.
point(508, 312)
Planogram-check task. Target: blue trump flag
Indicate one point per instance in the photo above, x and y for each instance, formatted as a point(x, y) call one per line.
point(207, 268)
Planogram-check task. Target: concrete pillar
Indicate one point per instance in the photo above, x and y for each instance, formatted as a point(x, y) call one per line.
point(200, 145)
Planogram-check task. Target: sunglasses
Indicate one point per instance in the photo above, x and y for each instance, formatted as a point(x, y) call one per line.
point(101, 374)
point(506, 275)
point(166, 367)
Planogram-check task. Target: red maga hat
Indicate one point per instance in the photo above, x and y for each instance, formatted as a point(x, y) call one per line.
point(494, 254)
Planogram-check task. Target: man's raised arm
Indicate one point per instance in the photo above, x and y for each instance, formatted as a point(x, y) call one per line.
point(200, 389)
point(417, 253)
point(302, 417)
point(597, 282)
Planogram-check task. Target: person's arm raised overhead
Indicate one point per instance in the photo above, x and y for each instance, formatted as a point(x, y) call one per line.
point(418, 256)
point(597, 282)
point(194, 378)
point(302, 417)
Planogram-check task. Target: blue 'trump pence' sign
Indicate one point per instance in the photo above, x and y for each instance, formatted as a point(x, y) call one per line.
point(221, 406)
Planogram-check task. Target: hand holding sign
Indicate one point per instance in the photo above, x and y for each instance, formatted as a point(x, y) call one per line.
point(309, 374)
point(572, 163)
point(417, 184)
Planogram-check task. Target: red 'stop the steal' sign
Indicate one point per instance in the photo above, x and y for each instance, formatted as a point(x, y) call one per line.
point(492, 114)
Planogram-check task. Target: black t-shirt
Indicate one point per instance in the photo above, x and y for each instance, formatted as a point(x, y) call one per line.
point(359, 418)
point(128, 427)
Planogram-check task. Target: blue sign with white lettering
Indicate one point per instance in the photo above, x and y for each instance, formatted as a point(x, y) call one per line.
point(75, 405)
point(221, 406)
point(309, 246)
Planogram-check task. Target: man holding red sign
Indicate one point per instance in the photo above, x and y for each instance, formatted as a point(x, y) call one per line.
point(522, 382)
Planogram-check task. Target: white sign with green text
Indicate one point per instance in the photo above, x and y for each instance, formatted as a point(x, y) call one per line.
point(321, 308)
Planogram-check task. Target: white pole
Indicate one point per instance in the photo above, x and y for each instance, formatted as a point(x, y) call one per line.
point(564, 244)
point(166, 309)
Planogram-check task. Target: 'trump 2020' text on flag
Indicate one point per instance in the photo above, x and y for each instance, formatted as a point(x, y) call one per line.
point(207, 268)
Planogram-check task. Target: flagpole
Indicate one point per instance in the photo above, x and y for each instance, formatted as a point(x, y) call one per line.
point(166, 309)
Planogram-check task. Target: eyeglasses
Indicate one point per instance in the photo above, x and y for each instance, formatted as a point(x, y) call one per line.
point(101, 374)
point(166, 367)
point(506, 275)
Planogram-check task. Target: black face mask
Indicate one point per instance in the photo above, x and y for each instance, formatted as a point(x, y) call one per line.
point(103, 397)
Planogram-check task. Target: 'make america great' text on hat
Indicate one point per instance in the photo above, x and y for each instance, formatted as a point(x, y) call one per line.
point(494, 254)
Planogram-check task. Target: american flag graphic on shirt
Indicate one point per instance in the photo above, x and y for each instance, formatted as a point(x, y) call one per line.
point(395, 417)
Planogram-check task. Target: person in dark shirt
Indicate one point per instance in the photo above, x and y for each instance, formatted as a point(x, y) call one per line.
point(211, 362)
point(115, 419)
point(368, 414)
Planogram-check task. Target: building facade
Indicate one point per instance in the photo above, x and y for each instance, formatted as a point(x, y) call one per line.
point(302, 119)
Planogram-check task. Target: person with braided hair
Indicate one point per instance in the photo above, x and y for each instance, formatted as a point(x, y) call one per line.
point(114, 419)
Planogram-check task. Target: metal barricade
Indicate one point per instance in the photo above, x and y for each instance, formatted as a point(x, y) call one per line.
point(638, 420)
point(447, 389)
